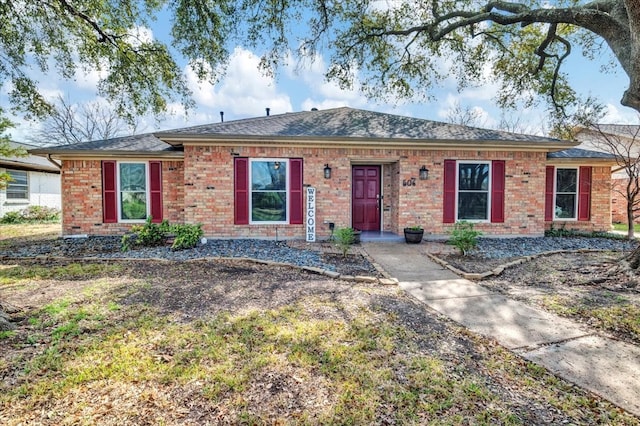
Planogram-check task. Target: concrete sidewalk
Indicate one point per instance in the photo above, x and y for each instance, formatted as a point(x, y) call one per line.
point(607, 367)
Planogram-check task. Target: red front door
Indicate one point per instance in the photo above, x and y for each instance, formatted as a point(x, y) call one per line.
point(366, 198)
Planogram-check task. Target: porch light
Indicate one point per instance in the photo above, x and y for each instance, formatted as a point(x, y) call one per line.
point(327, 171)
point(424, 173)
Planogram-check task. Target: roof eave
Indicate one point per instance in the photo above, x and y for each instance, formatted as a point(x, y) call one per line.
point(71, 154)
point(28, 166)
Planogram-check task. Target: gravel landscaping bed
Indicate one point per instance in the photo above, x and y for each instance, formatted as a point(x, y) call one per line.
point(500, 248)
point(277, 251)
point(493, 252)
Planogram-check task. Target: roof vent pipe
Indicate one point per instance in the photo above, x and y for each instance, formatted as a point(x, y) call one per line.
point(268, 110)
point(222, 116)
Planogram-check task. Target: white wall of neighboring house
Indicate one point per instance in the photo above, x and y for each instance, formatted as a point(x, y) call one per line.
point(44, 190)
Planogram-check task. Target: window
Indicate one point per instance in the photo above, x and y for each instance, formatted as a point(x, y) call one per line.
point(132, 180)
point(18, 185)
point(269, 181)
point(473, 191)
point(131, 191)
point(566, 198)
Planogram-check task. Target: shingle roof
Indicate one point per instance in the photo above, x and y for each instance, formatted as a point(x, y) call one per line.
point(581, 153)
point(30, 162)
point(350, 123)
point(136, 144)
point(332, 126)
point(625, 130)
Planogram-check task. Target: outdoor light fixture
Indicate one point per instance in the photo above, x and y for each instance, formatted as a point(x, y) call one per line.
point(424, 173)
point(327, 171)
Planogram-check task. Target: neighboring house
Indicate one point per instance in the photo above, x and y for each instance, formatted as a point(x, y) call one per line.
point(627, 137)
point(35, 181)
point(368, 170)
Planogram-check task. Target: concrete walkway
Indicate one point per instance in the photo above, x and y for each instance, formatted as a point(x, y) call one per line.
point(607, 367)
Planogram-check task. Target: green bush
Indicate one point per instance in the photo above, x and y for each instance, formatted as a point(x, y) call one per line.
point(344, 238)
point(32, 214)
point(154, 234)
point(187, 236)
point(464, 237)
point(11, 217)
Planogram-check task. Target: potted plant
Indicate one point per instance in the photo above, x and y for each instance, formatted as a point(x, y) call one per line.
point(413, 234)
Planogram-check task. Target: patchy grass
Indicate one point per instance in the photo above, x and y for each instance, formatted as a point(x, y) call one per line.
point(615, 314)
point(92, 355)
point(17, 274)
point(624, 227)
point(15, 234)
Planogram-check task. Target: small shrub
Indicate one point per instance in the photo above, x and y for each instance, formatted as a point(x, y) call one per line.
point(150, 234)
point(187, 236)
point(32, 214)
point(11, 217)
point(464, 237)
point(344, 238)
point(154, 234)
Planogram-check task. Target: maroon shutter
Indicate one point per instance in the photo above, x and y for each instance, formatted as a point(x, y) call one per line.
point(109, 192)
point(497, 191)
point(241, 190)
point(548, 193)
point(449, 195)
point(584, 193)
point(155, 190)
point(295, 191)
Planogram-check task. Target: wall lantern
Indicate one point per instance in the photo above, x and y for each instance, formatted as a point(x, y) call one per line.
point(327, 171)
point(424, 173)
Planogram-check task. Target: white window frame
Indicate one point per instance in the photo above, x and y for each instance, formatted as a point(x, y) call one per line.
point(488, 219)
point(555, 193)
point(11, 183)
point(147, 191)
point(287, 193)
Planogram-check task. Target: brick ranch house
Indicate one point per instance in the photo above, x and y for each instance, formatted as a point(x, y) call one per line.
point(367, 170)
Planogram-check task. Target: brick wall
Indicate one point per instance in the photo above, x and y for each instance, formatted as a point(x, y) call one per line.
point(619, 200)
point(82, 197)
point(206, 195)
point(600, 204)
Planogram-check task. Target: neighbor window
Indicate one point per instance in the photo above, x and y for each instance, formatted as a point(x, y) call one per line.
point(566, 195)
point(132, 180)
point(268, 185)
point(18, 185)
point(473, 191)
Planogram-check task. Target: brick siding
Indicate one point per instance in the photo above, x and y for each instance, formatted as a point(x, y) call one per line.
point(206, 193)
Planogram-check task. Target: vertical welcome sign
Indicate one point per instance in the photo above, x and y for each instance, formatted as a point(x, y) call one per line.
point(310, 224)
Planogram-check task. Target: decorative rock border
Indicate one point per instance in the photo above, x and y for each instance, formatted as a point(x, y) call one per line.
point(477, 276)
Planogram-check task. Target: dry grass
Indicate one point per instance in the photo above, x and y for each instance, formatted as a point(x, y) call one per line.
point(9, 234)
point(148, 343)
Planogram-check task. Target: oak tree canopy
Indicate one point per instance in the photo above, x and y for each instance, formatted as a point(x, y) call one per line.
point(391, 49)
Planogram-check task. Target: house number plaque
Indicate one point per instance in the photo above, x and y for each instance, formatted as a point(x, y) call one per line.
point(409, 182)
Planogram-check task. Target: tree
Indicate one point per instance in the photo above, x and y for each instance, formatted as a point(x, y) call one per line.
point(624, 143)
point(393, 49)
point(69, 123)
point(6, 150)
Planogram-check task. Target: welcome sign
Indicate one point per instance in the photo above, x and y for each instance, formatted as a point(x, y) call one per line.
point(310, 224)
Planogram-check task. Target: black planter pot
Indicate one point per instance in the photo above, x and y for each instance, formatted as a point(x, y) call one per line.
point(356, 236)
point(413, 236)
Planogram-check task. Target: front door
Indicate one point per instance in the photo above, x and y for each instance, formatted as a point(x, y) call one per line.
point(366, 198)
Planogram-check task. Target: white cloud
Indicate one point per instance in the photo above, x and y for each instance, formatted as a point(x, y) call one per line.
point(617, 115)
point(244, 91)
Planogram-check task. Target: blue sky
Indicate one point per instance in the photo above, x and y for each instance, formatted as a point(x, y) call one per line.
point(245, 92)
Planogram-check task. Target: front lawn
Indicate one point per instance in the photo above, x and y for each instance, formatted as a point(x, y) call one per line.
point(232, 342)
